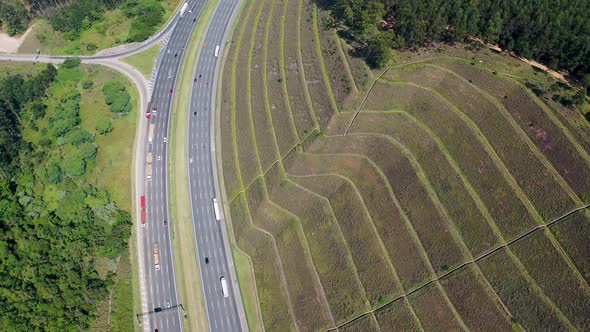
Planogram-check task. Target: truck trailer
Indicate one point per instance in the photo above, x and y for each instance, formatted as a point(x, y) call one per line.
point(216, 210)
point(183, 9)
point(156, 251)
point(151, 132)
point(143, 213)
point(224, 289)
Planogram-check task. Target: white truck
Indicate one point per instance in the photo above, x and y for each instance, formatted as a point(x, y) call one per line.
point(148, 165)
point(151, 132)
point(216, 210)
point(156, 251)
point(224, 287)
point(183, 9)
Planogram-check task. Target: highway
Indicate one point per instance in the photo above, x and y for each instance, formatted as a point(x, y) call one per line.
point(162, 310)
point(224, 313)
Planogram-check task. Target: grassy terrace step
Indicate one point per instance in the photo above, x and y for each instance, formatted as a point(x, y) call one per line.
point(434, 311)
point(475, 301)
point(572, 234)
point(259, 247)
point(397, 316)
point(328, 251)
point(337, 69)
point(243, 131)
point(309, 306)
point(534, 173)
point(292, 68)
point(475, 226)
point(375, 271)
point(230, 162)
point(558, 281)
point(465, 146)
point(531, 116)
point(407, 258)
point(277, 99)
point(261, 121)
point(316, 79)
point(413, 192)
point(366, 323)
point(528, 305)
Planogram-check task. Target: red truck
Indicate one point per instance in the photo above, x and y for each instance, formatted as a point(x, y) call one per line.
point(143, 217)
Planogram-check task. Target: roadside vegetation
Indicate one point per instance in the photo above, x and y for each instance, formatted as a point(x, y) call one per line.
point(63, 211)
point(144, 61)
point(405, 197)
point(88, 26)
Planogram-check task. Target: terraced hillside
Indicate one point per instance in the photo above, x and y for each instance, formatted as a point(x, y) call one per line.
point(431, 195)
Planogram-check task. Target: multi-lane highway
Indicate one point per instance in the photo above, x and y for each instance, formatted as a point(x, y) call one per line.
point(224, 313)
point(162, 309)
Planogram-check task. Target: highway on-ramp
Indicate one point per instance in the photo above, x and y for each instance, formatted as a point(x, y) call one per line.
point(225, 313)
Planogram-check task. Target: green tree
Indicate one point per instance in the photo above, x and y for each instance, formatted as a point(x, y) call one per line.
point(53, 169)
point(494, 28)
point(74, 166)
point(87, 151)
point(78, 136)
point(378, 51)
point(104, 126)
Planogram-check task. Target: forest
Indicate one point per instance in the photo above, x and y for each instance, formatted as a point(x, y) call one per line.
point(73, 17)
point(556, 32)
point(54, 223)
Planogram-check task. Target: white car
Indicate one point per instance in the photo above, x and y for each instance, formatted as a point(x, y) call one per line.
point(164, 139)
point(159, 158)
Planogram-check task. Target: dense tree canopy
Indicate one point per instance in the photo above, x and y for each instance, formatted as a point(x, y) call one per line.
point(54, 225)
point(73, 17)
point(554, 31)
point(14, 17)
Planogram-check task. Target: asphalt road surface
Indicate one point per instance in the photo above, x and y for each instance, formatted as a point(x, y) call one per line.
point(163, 310)
point(224, 313)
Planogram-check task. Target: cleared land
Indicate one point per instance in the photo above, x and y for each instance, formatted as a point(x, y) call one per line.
point(145, 61)
point(398, 217)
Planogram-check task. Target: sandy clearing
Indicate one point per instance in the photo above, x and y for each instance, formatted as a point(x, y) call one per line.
point(11, 44)
point(533, 63)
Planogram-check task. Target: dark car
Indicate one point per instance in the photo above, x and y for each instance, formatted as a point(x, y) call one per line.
point(171, 90)
point(165, 222)
point(206, 260)
point(158, 309)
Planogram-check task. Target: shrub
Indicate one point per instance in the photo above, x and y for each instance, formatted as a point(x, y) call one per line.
point(87, 85)
point(104, 126)
point(117, 97)
point(71, 62)
point(74, 166)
